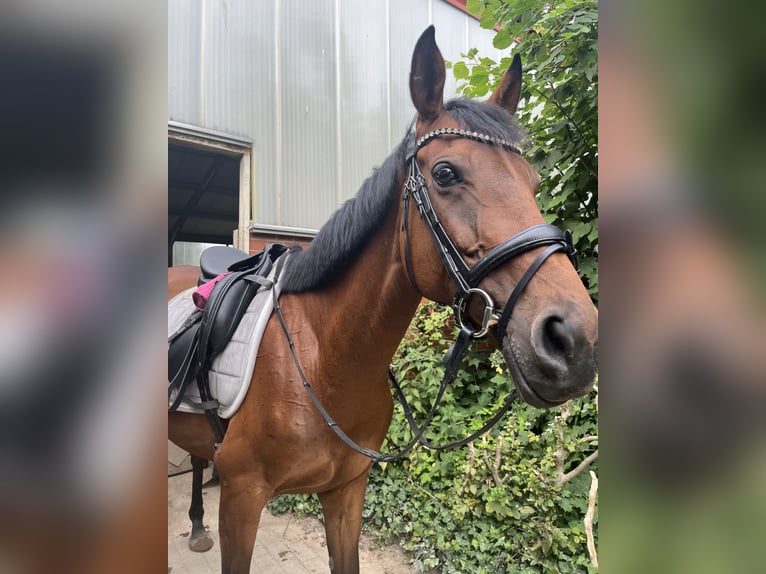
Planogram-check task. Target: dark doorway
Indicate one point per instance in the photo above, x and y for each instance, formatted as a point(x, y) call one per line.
point(203, 195)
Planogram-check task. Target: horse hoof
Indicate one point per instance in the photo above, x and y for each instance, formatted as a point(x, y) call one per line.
point(201, 544)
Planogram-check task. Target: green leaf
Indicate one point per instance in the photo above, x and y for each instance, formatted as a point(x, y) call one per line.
point(481, 90)
point(475, 7)
point(502, 39)
point(460, 70)
point(488, 20)
point(479, 77)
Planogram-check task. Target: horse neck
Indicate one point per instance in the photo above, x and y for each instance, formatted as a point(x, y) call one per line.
point(365, 314)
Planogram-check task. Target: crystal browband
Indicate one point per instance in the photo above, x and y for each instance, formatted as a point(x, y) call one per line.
point(466, 134)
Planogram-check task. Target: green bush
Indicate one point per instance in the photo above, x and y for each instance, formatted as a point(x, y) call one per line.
point(558, 45)
point(493, 506)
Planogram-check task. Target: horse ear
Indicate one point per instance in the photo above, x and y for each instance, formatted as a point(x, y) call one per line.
point(427, 77)
point(508, 92)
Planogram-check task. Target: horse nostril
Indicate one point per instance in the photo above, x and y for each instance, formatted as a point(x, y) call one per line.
point(556, 337)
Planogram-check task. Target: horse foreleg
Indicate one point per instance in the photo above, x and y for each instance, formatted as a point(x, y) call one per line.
point(200, 540)
point(343, 524)
point(242, 500)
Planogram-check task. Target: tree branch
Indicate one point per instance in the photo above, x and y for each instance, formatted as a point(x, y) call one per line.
point(562, 479)
point(495, 469)
point(471, 457)
point(588, 520)
point(561, 452)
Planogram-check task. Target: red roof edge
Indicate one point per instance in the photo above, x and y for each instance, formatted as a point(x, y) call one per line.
point(460, 5)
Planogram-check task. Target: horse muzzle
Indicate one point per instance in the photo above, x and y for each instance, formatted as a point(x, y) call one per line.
point(557, 359)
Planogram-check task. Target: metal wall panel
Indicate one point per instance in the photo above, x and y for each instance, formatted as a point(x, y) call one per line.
point(307, 70)
point(184, 55)
point(362, 97)
point(407, 21)
point(218, 106)
point(452, 38)
point(478, 37)
point(321, 87)
point(252, 92)
point(185, 253)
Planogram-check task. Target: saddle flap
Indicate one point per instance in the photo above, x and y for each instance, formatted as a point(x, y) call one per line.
point(223, 312)
point(230, 298)
point(183, 365)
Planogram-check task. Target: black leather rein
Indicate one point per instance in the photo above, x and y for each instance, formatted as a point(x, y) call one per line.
point(467, 280)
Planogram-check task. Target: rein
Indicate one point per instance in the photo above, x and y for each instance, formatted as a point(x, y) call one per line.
point(466, 279)
point(417, 430)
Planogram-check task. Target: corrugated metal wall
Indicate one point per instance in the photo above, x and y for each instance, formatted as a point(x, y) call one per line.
point(320, 86)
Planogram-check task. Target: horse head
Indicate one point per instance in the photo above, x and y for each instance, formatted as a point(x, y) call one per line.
point(480, 231)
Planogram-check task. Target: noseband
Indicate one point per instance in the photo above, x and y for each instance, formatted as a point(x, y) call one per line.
point(468, 278)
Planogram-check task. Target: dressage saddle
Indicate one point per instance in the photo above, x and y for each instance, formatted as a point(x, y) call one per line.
point(206, 333)
point(217, 259)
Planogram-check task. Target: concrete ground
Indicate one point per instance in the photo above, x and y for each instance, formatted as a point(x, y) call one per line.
point(285, 544)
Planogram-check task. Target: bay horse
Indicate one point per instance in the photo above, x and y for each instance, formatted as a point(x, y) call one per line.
point(348, 299)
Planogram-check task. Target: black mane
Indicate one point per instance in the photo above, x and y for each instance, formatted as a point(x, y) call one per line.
point(345, 235)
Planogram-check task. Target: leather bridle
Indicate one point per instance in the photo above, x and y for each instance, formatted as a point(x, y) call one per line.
point(468, 278)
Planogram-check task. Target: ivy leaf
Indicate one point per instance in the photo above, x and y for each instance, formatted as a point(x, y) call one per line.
point(526, 510)
point(497, 508)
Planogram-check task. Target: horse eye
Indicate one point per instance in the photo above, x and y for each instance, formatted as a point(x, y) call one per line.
point(445, 175)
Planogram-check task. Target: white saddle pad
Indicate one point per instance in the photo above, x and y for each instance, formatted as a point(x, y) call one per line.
point(232, 370)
